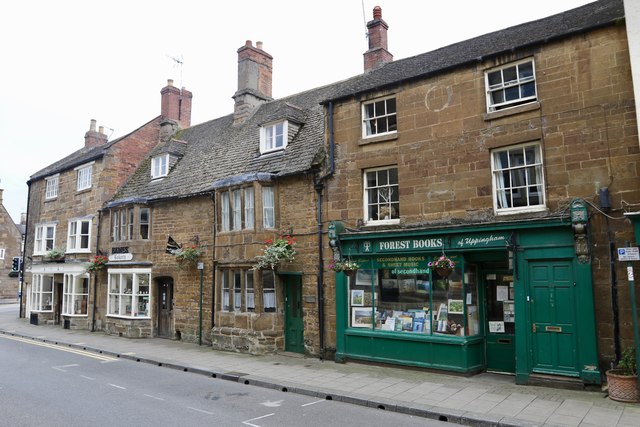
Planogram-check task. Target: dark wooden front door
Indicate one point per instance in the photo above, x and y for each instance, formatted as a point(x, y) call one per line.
point(294, 326)
point(165, 303)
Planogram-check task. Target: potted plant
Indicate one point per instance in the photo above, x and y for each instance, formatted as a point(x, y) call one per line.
point(348, 267)
point(97, 263)
point(443, 265)
point(187, 256)
point(55, 255)
point(623, 379)
point(276, 251)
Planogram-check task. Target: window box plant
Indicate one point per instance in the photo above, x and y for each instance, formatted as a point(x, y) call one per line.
point(187, 256)
point(276, 251)
point(54, 255)
point(623, 379)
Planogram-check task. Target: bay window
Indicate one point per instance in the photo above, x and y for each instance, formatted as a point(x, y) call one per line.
point(129, 295)
point(268, 208)
point(42, 292)
point(75, 294)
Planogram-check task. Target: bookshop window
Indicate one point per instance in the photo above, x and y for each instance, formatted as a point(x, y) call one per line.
point(415, 303)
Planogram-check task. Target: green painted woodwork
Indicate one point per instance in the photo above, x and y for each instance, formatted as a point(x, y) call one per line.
point(294, 326)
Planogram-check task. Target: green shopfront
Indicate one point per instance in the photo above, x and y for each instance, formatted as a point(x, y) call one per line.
point(519, 300)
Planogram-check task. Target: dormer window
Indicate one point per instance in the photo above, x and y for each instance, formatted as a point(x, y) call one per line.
point(159, 166)
point(273, 137)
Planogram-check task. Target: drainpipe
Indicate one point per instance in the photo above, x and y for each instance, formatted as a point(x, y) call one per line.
point(319, 187)
point(95, 278)
point(614, 291)
point(24, 254)
point(213, 261)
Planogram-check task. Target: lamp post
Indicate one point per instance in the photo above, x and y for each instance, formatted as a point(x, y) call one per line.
point(201, 268)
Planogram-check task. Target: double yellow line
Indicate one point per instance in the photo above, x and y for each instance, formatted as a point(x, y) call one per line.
point(62, 348)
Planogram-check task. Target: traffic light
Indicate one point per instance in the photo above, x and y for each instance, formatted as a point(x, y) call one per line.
point(15, 265)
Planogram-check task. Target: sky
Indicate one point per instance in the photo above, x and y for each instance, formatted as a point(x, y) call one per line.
point(66, 62)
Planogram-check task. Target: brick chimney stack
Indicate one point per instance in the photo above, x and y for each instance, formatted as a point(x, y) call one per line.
point(255, 73)
point(94, 138)
point(176, 104)
point(377, 55)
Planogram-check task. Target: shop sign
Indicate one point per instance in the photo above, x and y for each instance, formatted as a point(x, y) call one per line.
point(491, 240)
point(473, 241)
point(402, 264)
point(120, 257)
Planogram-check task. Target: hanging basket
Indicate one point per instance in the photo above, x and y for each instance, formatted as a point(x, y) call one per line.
point(351, 273)
point(622, 388)
point(443, 272)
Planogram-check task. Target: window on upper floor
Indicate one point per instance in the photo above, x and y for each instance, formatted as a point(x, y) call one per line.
point(51, 190)
point(79, 237)
point(510, 85)
point(125, 227)
point(83, 180)
point(381, 195)
point(45, 238)
point(160, 166)
point(273, 137)
point(379, 117)
point(518, 181)
point(268, 208)
point(233, 205)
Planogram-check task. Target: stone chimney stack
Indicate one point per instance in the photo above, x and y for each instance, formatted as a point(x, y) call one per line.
point(94, 138)
point(255, 73)
point(176, 104)
point(377, 55)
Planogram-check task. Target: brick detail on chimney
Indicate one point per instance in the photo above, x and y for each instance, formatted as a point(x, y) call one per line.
point(94, 138)
point(377, 55)
point(255, 72)
point(176, 104)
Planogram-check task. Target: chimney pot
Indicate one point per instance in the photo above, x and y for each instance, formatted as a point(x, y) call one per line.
point(101, 130)
point(259, 45)
point(92, 125)
point(248, 43)
point(377, 55)
point(169, 82)
point(377, 12)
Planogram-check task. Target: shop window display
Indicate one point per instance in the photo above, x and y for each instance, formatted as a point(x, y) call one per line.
point(420, 303)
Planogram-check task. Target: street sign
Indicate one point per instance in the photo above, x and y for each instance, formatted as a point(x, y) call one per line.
point(628, 254)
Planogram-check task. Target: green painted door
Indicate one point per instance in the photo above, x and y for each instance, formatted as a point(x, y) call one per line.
point(553, 318)
point(500, 338)
point(294, 330)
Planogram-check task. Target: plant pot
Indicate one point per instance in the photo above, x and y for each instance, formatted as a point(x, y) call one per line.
point(351, 273)
point(443, 272)
point(622, 387)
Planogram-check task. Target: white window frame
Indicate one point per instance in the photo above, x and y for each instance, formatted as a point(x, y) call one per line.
point(160, 166)
point(76, 236)
point(226, 289)
point(236, 198)
point(42, 293)
point(522, 179)
point(237, 289)
point(129, 301)
point(268, 207)
point(249, 208)
point(144, 225)
point(274, 137)
point(373, 118)
point(75, 295)
point(522, 81)
point(249, 291)
point(51, 186)
point(381, 196)
point(42, 237)
point(225, 211)
point(84, 176)
point(269, 295)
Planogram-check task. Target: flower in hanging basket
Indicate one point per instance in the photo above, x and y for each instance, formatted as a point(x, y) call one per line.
point(276, 251)
point(346, 266)
point(187, 256)
point(443, 265)
point(97, 263)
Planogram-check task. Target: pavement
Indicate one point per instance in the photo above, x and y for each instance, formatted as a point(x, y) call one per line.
point(481, 400)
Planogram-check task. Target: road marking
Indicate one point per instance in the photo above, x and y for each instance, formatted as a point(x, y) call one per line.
point(59, 368)
point(200, 410)
point(87, 378)
point(313, 403)
point(270, 404)
point(62, 348)
point(117, 386)
point(130, 353)
point(248, 422)
point(154, 397)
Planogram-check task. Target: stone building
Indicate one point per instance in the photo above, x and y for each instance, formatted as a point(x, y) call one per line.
point(63, 216)
point(10, 254)
point(514, 154)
